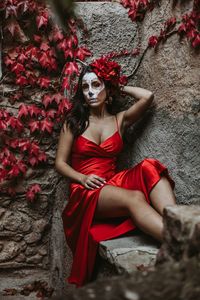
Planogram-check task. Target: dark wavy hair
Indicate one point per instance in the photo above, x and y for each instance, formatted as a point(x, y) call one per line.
point(78, 117)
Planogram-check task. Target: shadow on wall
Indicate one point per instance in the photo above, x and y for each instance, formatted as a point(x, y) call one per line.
point(130, 138)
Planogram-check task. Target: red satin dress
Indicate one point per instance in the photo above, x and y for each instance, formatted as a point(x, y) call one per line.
point(82, 233)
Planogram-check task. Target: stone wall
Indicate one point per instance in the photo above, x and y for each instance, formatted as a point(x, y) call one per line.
point(32, 241)
point(170, 130)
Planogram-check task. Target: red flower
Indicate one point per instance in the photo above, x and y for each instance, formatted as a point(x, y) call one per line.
point(107, 70)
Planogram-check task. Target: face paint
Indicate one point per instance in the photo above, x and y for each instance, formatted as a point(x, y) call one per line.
point(92, 86)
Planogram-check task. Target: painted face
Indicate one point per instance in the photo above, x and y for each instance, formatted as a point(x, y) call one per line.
point(92, 87)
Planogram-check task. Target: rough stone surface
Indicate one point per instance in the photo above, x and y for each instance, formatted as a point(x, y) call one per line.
point(169, 132)
point(177, 278)
point(171, 281)
point(181, 234)
point(127, 253)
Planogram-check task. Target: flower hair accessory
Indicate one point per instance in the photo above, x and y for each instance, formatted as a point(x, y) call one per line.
point(109, 71)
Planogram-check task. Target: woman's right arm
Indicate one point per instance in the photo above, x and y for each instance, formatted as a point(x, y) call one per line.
point(65, 142)
point(63, 154)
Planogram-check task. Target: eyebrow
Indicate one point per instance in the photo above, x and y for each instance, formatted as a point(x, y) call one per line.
point(84, 81)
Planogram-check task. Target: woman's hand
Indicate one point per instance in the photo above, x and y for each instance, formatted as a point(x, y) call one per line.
point(92, 181)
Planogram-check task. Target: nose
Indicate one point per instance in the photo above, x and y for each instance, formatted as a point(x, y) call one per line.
point(90, 94)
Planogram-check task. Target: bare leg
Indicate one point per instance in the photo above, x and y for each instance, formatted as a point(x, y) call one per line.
point(162, 195)
point(117, 202)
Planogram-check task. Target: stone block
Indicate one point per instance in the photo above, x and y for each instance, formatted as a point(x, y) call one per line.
point(127, 253)
point(181, 233)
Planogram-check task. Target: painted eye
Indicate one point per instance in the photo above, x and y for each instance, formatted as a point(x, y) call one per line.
point(85, 86)
point(96, 84)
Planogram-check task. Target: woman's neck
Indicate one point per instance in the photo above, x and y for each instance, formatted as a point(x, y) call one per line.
point(99, 113)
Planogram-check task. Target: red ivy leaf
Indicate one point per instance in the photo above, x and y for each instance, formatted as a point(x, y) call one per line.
point(8, 61)
point(51, 113)
point(33, 161)
point(72, 41)
point(69, 53)
point(82, 53)
point(44, 60)
point(47, 100)
point(44, 82)
point(42, 20)
point(37, 38)
point(46, 125)
point(17, 68)
point(196, 41)
point(65, 83)
point(21, 81)
point(34, 126)
point(42, 157)
point(64, 106)
point(34, 149)
point(32, 192)
point(71, 68)
point(34, 110)
point(44, 46)
point(57, 35)
point(15, 124)
point(153, 41)
point(22, 58)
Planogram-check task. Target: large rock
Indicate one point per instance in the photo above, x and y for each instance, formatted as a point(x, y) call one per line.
point(181, 234)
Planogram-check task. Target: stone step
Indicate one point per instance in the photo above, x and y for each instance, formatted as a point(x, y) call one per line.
point(17, 280)
point(128, 253)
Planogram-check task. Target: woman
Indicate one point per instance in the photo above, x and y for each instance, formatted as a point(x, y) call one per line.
point(103, 203)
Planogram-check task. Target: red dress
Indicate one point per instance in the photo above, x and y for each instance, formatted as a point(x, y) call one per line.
point(82, 233)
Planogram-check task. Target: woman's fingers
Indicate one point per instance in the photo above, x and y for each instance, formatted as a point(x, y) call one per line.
point(100, 179)
point(93, 181)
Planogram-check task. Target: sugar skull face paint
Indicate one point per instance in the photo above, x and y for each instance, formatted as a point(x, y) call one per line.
point(92, 86)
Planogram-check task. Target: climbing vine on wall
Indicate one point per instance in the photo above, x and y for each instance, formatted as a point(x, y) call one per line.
point(39, 57)
point(39, 62)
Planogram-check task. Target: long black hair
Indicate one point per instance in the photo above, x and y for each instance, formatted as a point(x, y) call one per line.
point(78, 117)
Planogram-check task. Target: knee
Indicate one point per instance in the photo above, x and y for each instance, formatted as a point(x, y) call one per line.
point(135, 198)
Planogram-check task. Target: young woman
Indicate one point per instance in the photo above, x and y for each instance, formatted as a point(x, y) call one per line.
point(104, 204)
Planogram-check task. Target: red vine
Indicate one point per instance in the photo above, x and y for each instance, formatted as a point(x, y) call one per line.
point(36, 52)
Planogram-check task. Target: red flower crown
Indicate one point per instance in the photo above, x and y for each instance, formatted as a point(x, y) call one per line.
point(109, 71)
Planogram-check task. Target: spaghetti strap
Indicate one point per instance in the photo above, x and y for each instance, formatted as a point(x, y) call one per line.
point(117, 123)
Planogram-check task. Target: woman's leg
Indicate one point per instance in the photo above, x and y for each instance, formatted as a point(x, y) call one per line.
point(162, 195)
point(117, 202)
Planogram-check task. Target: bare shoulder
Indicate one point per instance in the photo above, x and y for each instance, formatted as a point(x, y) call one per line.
point(64, 145)
point(65, 130)
point(66, 134)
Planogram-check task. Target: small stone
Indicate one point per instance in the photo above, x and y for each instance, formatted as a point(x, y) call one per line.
point(17, 237)
point(20, 258)
point(30, 251)
point(129, 295)
point(42, 251)
point(40, 225)
point(33, 237)
point(34, 259)
point(9, 251)
point(16, 221)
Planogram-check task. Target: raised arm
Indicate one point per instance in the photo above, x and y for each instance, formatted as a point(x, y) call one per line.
point(135, 112)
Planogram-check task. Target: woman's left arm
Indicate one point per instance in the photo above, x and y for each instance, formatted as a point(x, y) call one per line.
point(135, 112)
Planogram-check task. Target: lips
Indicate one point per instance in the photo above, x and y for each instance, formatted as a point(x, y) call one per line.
point(93, 99)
